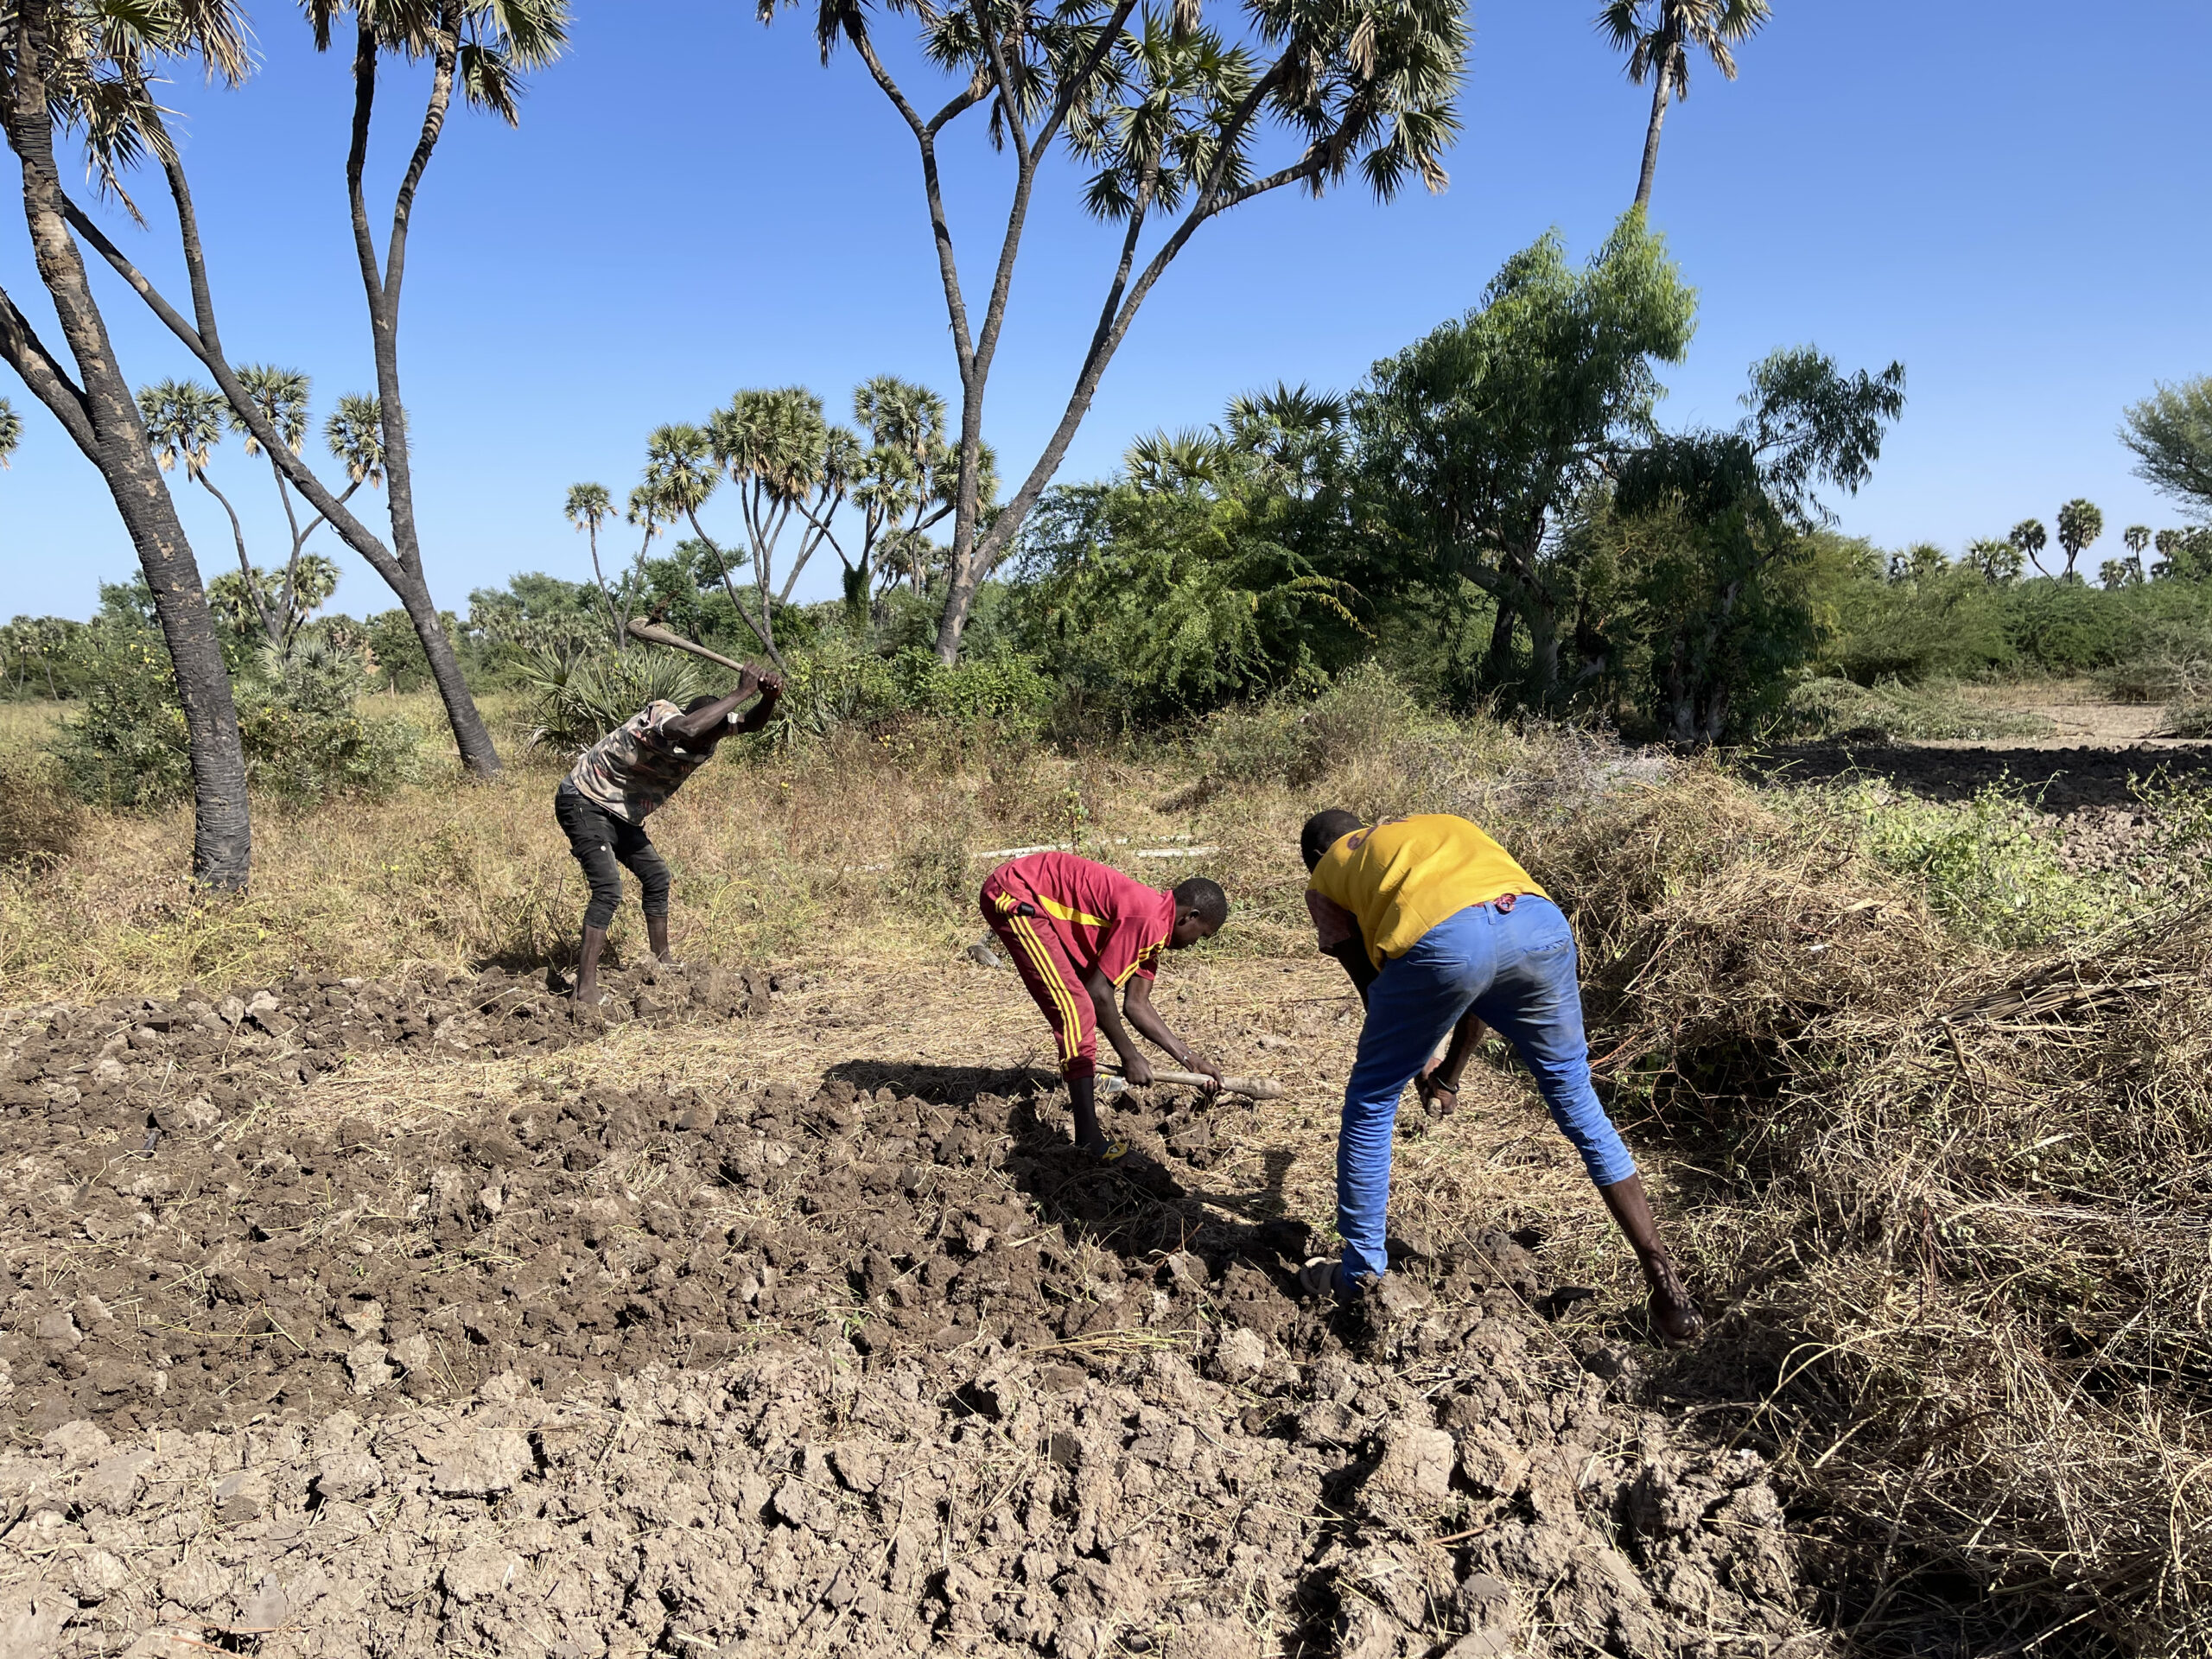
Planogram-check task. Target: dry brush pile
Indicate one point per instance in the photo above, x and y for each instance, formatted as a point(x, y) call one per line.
point(1963, 1203)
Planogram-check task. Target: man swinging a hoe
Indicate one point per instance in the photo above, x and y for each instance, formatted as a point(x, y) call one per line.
point(603, 804)
point(1442, 932)
point(1078, 932)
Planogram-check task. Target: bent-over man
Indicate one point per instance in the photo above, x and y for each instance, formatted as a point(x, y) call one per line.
point(603, 804)
point(1443, 932)
point(1078, 932)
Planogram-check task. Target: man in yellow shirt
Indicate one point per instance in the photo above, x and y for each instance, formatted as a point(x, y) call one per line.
point(1443, 932)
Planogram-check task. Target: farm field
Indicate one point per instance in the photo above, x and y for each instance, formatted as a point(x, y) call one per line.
point(375, 1299)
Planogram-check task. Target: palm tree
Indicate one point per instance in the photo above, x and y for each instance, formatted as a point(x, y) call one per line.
point(11, 432)
point(588, 507)
point(1178, 120)
point(2138, 536)
point(2031, 538)
point(2080, 524)
point(1659, 36)
point(185, 420)
point(683, 472)
point(785, 459)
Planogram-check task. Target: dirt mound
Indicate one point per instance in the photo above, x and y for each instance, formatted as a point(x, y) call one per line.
point(599, 1372)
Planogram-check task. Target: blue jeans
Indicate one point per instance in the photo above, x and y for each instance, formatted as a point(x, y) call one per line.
point(1515, 971)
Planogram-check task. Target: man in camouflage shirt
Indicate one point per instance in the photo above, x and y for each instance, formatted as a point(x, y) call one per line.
point(616, 784)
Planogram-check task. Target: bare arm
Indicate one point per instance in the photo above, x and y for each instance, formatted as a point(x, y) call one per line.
point(693, 728)
point(1136, 1005)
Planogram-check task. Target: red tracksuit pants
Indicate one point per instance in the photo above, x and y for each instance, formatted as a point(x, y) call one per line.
point(1040, 955)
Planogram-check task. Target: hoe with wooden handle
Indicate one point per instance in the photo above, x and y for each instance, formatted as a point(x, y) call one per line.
point(653, 634)
point(1253, 1087)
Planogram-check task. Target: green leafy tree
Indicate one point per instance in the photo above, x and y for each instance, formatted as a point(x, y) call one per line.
point(2031, 538)
point(1660, 36)
point(2080, 524)
point(1178, 119)
point(1472, 442)
point(84, 68)
point(2170, 434)
point(1725, 521)
point(2185, 555)
point(1998, 560)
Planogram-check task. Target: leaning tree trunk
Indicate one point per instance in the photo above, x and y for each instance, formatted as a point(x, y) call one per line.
point(1651, 133)
point(382, 287)
point(102, 416)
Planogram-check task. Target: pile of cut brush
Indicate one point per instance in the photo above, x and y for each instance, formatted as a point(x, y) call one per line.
point(1965, 1198)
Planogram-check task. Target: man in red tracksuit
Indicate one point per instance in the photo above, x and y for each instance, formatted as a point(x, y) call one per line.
point(1078, 931)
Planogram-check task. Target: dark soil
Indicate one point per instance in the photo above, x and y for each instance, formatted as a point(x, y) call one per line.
point(593, 1372)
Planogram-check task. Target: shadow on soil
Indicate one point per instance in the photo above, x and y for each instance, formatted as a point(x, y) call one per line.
point(2061, 780)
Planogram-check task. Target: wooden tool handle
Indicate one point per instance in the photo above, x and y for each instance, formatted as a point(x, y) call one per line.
point(658, 636)
point(1253, 1087)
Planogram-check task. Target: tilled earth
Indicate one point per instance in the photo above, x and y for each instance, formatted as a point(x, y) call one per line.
point(583, 1370)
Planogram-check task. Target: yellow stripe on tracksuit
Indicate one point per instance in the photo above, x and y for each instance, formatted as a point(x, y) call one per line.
point(1049, 971)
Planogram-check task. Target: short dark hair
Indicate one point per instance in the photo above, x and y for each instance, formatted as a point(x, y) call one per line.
point(1324, 830)
point(706, 701)
point(1203, 898)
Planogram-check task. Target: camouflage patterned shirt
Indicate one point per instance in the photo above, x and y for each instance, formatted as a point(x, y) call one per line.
point(633, 769)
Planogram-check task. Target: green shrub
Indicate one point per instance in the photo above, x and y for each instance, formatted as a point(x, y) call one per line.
point(304, 741)
point(1991, 868)
point(1294, 741)
point(839, 684)
point(577, 696)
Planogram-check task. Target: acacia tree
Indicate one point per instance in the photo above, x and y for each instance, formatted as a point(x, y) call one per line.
point(1474, 440)
point(2080, 524)
point(1171, 116)
point(2170, 434)
point(71, 64)
point(1659, 36)
point(482, 47)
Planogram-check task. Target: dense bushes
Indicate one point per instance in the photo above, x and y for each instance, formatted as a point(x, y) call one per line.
point(304, 738)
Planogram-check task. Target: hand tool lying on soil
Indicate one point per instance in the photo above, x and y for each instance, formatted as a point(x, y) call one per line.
point(1254, 1088)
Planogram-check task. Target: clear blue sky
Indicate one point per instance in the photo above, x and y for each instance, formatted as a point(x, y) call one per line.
point(2013, 200)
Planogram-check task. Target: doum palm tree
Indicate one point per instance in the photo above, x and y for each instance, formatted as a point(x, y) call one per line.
point(588, 507)
point(1658, 36)
point(11, 433)
point(185, 421)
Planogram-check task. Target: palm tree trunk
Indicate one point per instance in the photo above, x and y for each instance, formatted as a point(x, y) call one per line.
point(1665, 80)
point(245, 565)
point(102, 416)
point(382, 287)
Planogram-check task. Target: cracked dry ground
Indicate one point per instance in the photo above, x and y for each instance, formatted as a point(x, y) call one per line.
point(412, 1318)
